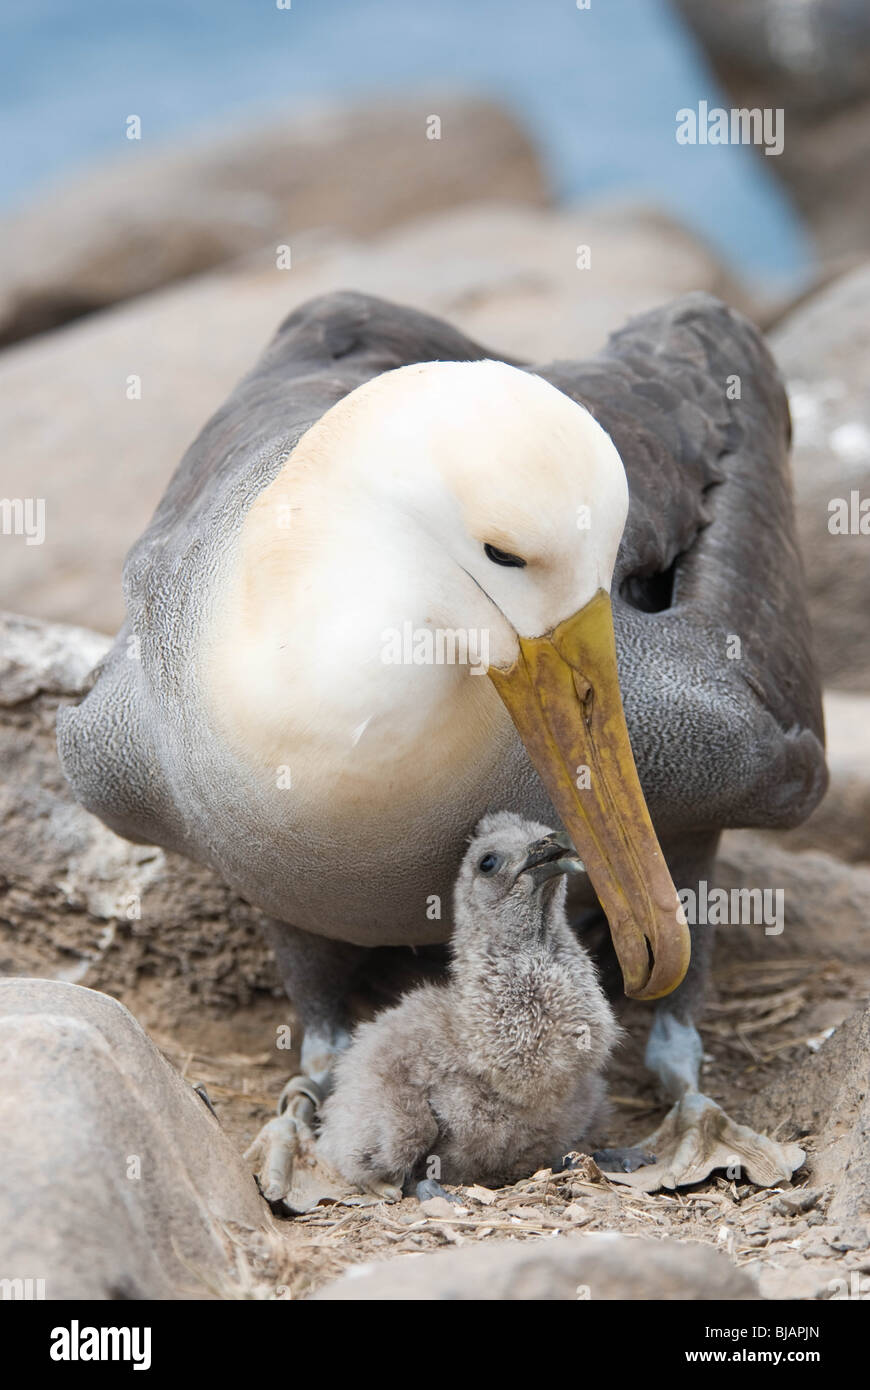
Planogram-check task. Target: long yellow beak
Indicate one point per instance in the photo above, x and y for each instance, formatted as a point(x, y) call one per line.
point(563, 696)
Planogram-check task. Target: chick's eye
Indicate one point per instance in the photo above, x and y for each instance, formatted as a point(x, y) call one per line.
point(489, 863)
point(502, 557)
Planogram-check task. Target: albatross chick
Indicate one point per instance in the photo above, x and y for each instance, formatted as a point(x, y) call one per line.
point(499, 1070)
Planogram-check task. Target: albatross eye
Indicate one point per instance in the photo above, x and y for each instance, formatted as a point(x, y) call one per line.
point(502, 557)
point(489, 863)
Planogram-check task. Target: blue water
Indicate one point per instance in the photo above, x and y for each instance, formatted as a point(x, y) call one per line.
point(597, 88)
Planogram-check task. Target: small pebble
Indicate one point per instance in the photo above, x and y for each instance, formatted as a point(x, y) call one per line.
point(575, 1212)
point(799, 1199)
point(844, 1243)
point(787, 1232)
point(481, 1194)
point(440, 1207)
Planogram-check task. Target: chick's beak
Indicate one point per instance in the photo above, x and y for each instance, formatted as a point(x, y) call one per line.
point(549, 858)
point(563, 695)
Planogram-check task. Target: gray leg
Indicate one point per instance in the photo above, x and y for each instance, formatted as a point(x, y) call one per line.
point(673, 1052)
point(674, 1048)
point(317, 974)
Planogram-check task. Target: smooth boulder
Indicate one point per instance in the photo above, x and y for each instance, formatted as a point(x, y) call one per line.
point(812, 62)
point(116, 1181)
point(564, 1268)
point(153, 217)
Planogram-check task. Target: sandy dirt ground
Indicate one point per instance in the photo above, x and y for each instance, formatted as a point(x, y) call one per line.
point(765, 1019)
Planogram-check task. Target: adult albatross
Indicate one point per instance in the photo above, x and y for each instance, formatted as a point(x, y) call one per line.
point(379, 599)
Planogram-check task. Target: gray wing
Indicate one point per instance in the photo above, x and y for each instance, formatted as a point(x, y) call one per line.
point(719, 682)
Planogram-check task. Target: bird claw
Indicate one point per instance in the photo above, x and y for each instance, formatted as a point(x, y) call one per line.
point(384, 1191)
point(274, 1151)
point(291, 1175)
point(283, 1141)
point(696, 1137)
point(626, 1160)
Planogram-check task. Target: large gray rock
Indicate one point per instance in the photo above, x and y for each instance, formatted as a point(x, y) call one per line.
point(823, 349)
point(45, 659)
point(506, 275)
point(815, 55)
point(151, 218)
point(564, 1268)
point(812, 60)
point(115, 1179)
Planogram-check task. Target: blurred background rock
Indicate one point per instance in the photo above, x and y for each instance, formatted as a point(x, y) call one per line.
point(812, 58)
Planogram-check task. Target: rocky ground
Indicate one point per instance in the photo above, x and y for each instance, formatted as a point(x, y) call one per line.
point(788, 1049)
point(787, 1034)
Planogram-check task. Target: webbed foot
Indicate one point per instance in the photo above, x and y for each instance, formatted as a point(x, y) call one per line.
point(696, 1137)
point(283, 1149)
point(291, 1174)
point(384, 1191)
point(428, 1188)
